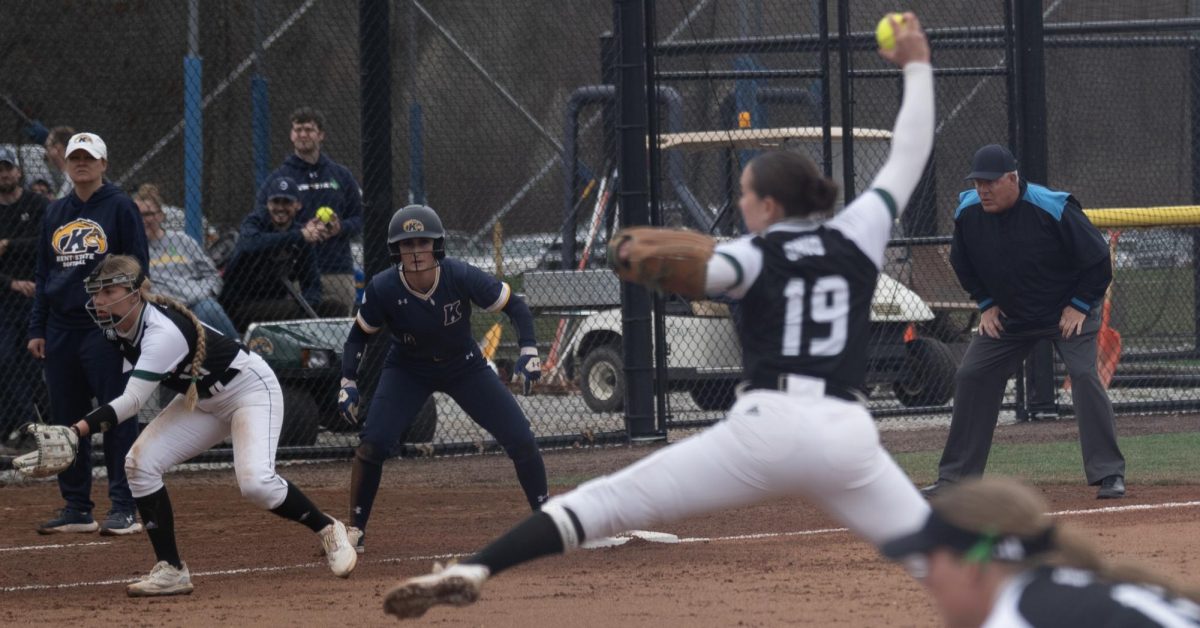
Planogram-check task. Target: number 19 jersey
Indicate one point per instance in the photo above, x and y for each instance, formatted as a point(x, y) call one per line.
point(806, 290)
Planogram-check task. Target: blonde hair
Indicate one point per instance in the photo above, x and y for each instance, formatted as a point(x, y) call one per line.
point(1003, 506)
point(125, 264)
point(149, 193)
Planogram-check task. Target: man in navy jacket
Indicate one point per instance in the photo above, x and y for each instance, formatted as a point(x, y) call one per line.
point(273, 251)
point(94, 220)
point(1038, 268)
point(323, 182)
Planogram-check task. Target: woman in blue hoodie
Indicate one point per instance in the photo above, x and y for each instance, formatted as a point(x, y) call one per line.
point(79, 230)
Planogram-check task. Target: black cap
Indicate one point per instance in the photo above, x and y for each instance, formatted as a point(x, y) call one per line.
point(937, 532)
point(991, 162)
point(282, 187)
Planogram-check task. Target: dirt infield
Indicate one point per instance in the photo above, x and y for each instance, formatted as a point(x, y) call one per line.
point(251, 568)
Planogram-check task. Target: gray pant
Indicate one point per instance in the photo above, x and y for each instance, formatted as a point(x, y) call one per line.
point(979, 390)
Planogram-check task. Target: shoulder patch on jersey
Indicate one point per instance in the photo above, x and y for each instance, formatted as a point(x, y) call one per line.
point(966, 198)
point(1050, 201)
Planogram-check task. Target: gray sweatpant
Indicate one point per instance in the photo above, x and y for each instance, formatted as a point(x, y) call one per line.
point(979, 390)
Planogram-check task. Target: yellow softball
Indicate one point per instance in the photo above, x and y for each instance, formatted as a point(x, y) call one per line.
point(325, 214)
point(885, 34)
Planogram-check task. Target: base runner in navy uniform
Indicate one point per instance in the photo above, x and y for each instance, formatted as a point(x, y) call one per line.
point(425, 303)
point(799, 426)
point(224, 391)
point(990, 555)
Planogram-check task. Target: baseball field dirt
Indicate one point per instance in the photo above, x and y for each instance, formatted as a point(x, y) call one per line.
point(779, 563)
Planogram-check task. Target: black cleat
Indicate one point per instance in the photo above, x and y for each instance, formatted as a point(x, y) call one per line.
point(1111, 487)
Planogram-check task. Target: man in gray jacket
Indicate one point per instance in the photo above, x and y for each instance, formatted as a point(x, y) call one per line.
point(180, 267)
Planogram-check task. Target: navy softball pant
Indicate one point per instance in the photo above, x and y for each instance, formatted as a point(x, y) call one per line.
point(81, 365)
point(404, 385)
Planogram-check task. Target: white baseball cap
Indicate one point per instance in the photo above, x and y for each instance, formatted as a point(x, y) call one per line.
point(88, 142)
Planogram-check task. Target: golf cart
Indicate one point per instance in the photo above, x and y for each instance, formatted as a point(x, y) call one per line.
point(704, 356)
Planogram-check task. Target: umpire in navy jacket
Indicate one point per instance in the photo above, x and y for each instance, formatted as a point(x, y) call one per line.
point(1038, 269)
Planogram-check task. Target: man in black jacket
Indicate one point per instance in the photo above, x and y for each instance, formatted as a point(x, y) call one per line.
point(21, 214)
point(1038, 268)
point(273, 251)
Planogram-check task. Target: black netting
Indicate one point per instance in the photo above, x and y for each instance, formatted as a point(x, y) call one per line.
point(1118, 101)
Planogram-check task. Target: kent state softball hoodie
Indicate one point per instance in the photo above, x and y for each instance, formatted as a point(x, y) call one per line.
point(75, 236)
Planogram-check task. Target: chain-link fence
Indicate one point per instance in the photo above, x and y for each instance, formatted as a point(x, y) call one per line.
point(1118, 127)
point(504, 120)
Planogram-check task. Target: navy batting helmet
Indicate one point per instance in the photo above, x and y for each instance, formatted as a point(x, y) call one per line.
point(416, 221)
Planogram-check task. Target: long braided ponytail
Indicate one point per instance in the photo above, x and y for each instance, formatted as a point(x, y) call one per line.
point(193, 393)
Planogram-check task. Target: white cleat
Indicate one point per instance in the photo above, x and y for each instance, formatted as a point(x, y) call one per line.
point(338, 549)
point(162, 580)
point(356, 539)
point(456, 585)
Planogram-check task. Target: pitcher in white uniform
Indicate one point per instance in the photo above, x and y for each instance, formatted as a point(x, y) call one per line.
point(223, 391)
point(805, 279)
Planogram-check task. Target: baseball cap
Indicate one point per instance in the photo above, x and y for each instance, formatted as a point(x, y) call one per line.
point(88, 142)
point(991, 162)
point(284, 187)
point(7, 155)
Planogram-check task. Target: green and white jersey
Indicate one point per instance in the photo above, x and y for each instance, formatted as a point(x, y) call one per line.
point(162, 347)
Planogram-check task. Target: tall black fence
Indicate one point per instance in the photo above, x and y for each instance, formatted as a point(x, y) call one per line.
point(1046, 80)
point(523, 127)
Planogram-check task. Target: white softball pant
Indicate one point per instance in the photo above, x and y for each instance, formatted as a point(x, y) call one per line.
point(772, 444)
point(250, 408)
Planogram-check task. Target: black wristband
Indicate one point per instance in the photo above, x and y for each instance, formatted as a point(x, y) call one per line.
point(101, 419)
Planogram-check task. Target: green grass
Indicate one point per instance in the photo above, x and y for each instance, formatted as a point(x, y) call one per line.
point(1151, 459)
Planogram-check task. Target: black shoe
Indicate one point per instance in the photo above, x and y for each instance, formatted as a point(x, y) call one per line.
point(937, 487)
point(1111, 487)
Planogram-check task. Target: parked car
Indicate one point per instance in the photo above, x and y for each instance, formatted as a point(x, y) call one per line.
point(519, 253)
point(1153, 248)
point(704, 356)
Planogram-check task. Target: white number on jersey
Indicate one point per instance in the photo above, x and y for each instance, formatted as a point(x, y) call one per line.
point(830, 304)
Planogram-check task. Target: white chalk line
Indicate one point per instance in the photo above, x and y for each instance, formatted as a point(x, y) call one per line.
point(33, 548)
point(657, 537)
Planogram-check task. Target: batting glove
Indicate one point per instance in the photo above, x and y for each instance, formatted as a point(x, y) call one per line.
point(528, 365)
point(348, 402)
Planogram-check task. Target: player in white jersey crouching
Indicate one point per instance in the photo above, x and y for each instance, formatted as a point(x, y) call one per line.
point(223, 391)
point(805, 281)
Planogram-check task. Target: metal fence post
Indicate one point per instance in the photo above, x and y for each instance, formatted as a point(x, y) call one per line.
point(847, 98)
point(376, 89)
point(1030, 70)
point(632, 192)
point(193, 135)
point(260, 104)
